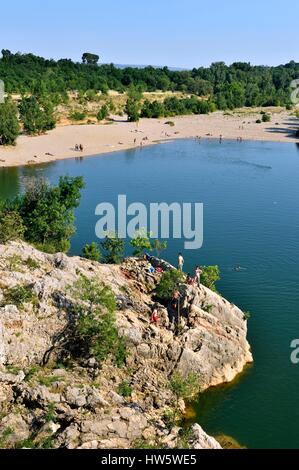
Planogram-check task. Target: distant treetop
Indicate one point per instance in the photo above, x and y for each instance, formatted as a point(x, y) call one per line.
point(90, 59)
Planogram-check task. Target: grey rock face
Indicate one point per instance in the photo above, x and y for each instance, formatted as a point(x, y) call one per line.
point(86, 401)
point(202, 440)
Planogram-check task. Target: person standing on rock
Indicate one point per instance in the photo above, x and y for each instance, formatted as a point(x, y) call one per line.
point(180, 262)
point(198, 272)
point(175, 308)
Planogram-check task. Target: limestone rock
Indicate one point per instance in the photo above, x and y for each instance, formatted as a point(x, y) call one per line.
point(202, 440)
point(75, 396)
point(89, 412)
point(12, 379)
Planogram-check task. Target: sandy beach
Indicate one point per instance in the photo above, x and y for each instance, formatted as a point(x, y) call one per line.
point(120, 135)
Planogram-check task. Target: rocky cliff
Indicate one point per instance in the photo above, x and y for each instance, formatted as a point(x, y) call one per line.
point(46, 404)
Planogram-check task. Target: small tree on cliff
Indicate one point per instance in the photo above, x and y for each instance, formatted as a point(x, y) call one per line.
point(11, 226)
point(95, 333)
point(91, 252)
point(140, 243)
point(114, 248)
point(47, 212)
point(184, 387)
point(169, 282)
point(159, 246)
point(210, 275)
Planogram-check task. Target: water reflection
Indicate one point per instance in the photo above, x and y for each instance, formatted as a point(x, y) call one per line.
point(9, 182)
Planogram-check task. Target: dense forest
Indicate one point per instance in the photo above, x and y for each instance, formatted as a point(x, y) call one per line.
point(239, 84)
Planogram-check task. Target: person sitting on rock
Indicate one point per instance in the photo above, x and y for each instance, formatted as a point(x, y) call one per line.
point(155, 316)
point(190, 280)
point(147, 257)
point(151, 269)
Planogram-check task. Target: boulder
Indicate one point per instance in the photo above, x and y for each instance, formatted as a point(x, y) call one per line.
point(203, 440)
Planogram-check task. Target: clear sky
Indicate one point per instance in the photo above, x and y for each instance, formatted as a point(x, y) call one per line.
point(181, 33)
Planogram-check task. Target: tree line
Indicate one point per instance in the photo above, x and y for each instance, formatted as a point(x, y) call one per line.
point(230, 86)
point(44, 84)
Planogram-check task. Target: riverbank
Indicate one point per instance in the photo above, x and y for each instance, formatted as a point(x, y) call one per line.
point(121, 135)
point(52, 391)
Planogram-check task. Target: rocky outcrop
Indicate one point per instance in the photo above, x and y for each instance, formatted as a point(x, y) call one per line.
point(202, 440)
point(81, 407)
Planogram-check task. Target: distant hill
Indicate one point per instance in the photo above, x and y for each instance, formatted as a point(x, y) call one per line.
point(135, 66)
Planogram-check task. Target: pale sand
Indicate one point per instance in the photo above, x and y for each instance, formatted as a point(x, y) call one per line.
point(120, 135)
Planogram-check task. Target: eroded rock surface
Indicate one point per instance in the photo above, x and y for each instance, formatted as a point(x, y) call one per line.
point(81, 407)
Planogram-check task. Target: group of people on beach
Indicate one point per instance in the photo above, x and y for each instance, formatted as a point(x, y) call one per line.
point(198, 137)
point(79, 148)
point(142, 141)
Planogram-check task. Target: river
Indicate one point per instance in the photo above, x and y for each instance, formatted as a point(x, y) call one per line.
point(250, 192)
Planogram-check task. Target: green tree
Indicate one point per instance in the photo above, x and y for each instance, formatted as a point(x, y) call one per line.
point(140, 243)
point(132, 110)
point(159, 246)
point(184, 387)
point(47, 212)
point(266, 118)
point(9, 125)
point(169, 282)
point(135, 93)
point(114, 248)
point(48, 109)
point(210, 275)
point(90, 59)
point(229, 86)
point(36, 117)
point(77, 116)
point(91, 252)
point(18, 295)
point(103, 113)
point(95, 333)
point(6, 54)
point(11, 226)
point(155, 109)
point(124, 389)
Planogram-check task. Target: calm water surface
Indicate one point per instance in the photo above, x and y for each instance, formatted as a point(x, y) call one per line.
point(250, 193)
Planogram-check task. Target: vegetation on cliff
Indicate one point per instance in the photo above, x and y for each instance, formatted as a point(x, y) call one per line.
point(43, 215)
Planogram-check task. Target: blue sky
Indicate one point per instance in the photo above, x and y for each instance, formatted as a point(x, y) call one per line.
point(181, 33)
